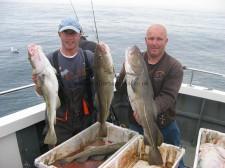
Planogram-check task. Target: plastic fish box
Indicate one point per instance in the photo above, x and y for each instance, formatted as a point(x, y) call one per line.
point(135, 153)
point(208, 136)
point(114, 134)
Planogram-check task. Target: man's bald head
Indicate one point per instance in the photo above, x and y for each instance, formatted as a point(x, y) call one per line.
point(157, 27)
point(156, 41)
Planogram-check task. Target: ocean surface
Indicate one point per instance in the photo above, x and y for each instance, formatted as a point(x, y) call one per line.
point(196, 39)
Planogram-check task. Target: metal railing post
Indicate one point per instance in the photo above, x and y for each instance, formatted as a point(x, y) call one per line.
point(192, 76)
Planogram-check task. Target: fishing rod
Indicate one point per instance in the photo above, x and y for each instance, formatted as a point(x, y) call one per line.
point(75, 13)
point(93, 12)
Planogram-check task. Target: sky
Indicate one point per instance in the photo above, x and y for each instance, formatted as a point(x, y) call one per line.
point(197, 4)
point(215, 5)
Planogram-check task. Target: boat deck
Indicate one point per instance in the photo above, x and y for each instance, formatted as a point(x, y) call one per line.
point(189, 155)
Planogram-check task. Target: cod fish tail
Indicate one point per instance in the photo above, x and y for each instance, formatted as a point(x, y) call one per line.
point(50, 137)
point(154, 157)
point(103, 130)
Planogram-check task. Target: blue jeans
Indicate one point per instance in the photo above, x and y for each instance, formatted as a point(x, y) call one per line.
point(171, 135)
point(137, 128)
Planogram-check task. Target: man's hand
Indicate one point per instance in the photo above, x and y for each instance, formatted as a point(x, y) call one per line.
point(137, 118)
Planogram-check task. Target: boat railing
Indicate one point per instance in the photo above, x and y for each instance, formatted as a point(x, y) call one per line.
point(193, 71)
point(16, 89)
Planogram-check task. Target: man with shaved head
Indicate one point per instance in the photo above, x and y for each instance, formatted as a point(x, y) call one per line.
point(156, 40)
point(166, 74)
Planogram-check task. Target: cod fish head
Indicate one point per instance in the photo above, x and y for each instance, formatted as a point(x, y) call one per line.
point(103, 55)
point(36, 57)
point(134, 60)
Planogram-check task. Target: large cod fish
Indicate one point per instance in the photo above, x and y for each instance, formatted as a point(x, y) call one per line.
point(140, 94)
point(47, 81)
point(104, 85)
point(93, 151)
point(211, 156)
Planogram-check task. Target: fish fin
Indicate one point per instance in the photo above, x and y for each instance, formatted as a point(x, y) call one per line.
point(54, 70)
point(155, 110)
point(96, 100)
point(58, 102)
point(50, 137)
point(134, 84)
point(103, 130)
point(160, 138)
point(98, 157)
point(154, 157)
point(39, 81)
point(82, 159)
point(71, 158)
point(42, 78)
point(99, 105)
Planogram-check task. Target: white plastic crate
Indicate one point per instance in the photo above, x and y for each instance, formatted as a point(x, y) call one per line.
point(134, 155)
point(114, 134)
point(208, 136)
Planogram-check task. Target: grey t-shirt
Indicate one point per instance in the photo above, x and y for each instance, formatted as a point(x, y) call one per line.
point(72, 70)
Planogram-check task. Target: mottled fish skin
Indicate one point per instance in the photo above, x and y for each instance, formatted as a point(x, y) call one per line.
point(140, 94)
point(47, 81)
point(211, 156)
point(104, 83)
point(93, 151)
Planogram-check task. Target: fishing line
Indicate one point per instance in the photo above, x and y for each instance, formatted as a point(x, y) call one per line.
point(71, 3)
point(96, 31)
point(75, 13)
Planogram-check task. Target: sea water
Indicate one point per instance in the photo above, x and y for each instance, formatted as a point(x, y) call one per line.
point(196, 39)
